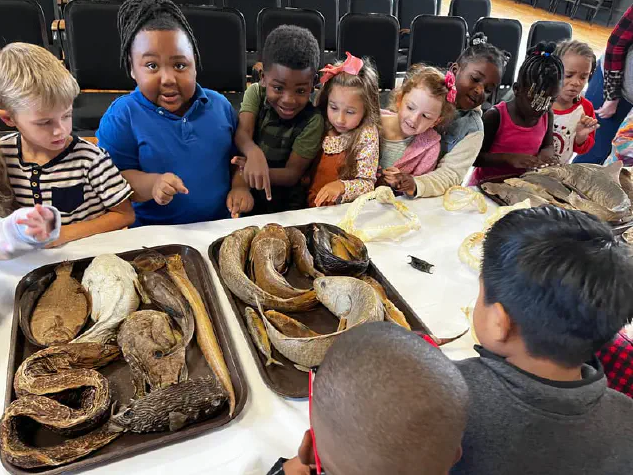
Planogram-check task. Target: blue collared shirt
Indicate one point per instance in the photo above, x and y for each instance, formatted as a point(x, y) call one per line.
point(197, 147)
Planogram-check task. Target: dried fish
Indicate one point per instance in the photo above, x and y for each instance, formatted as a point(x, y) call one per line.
point(149, 261)
point(205, 335)
point(147, 340)
point(171, 408)
point(591, 207)
point(421, 265)
point(301, 256)
point(626, 182)
point(232, 260)
point(599, 184)
point(349, 299)
point(392, 313)
point(51, 372)
point(548, 184)
point(112, 283)
point(337, 252)
point(258, 333)
point(511, 195)
point(28, 301)
point(269, 256)
point(531, 188)
point(61, 311)
point(162, 292)
point(289, 326)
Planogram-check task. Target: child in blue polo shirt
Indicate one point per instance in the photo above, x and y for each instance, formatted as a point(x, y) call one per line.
point(171, 139)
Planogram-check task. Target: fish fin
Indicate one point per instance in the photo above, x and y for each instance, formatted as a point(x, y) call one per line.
point(272, 360)
point(443, 341)
point(177, 420)
point(302, 368)
point(342, 324)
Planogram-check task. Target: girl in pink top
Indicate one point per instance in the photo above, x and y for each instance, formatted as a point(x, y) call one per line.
point(518, 134)
point(409, 143)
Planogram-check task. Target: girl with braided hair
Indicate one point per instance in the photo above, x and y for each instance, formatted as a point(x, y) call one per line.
point(518, 135)
point(171, 138)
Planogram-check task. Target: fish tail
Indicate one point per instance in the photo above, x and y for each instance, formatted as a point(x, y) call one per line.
point(272, 360)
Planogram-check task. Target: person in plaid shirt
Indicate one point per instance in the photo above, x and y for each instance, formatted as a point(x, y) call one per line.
point(617, 359)
point(605, 89)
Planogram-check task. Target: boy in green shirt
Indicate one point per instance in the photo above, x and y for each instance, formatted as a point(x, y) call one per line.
point(279, 130)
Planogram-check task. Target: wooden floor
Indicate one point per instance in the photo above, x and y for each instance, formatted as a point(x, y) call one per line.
point(595, 35)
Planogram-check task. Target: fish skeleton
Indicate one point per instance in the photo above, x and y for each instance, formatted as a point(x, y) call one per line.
point(232, 260)
point(171, 408)
point(112, 284)
point(258, 333)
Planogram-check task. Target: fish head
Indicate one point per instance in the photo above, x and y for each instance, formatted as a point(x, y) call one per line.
point(149, 261)
point(335, 293)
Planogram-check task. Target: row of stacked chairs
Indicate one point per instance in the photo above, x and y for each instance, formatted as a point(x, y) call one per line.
point(91, 44)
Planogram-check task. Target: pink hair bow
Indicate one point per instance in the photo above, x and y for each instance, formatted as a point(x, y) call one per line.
point(452, 90)
point(352, 65)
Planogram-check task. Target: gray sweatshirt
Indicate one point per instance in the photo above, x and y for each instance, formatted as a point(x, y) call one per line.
point(520, 424)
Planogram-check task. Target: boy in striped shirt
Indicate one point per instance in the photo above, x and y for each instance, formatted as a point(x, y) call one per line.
point(47, 165)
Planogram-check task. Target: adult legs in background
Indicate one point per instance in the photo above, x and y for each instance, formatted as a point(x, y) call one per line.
point(608, 127)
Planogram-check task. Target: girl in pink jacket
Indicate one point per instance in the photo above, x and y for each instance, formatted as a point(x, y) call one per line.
point(410, 145)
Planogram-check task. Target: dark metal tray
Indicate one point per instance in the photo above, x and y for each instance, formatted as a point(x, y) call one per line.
point(118, 372)
point(286, 380)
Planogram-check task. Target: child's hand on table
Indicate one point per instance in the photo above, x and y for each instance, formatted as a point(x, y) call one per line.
point(39, 223)
point(240, 200)
point(330, 193)
point(585, 126)
point(166, 186)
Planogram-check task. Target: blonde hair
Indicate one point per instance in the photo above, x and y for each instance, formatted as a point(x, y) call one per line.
point(431, 79)
point(33, 78)
point(367, 82)
point(7, 197)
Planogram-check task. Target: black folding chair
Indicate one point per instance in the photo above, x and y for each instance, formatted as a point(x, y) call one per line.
point(51, 13)
point(223, 69)
point(593, 7)
point(547, 31)
point(407, 11)
point(425, 31)
point(375, 36)
point(250, 9)
point(506, 35)
point(23, 21)
point(91, 26)
point(270, 18)
point(330, 11)
point(470, 10)
point(386, 7)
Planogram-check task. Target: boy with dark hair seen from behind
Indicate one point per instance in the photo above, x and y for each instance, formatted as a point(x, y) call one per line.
point(279, 130)
point(555, 286)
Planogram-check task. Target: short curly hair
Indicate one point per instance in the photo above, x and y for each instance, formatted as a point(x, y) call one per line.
point(293, 47)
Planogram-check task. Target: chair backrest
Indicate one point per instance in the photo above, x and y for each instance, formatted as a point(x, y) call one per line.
point(330, 11)
point(91, 26)
point(250, 9)
point(505, 34)
point(555, 31)
point(386, 7)
point(425, 31)
point(51, 13)
point(223, 69)
point(409, 9)
point(22, 20)
point(271, 18)
point(470, 10)
point(380, 45)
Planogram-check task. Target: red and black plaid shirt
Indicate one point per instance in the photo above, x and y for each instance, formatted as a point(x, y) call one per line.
point(617, 47)
point(617, 359)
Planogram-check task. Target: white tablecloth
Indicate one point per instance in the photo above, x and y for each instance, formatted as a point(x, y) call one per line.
point(270, 426)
